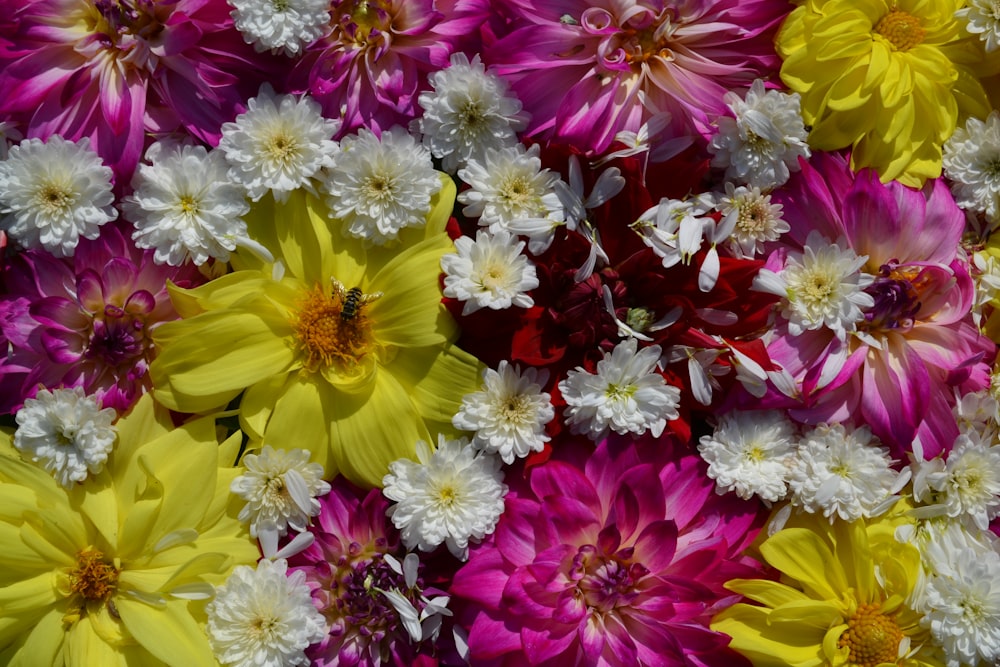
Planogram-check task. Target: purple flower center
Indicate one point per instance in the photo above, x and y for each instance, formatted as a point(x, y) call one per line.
point(605, 582)
point(644, 35)
point(362, 23)
point(897, 298)
point(127, 26)
point(118, 339)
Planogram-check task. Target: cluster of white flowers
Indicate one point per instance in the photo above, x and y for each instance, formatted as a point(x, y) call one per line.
point(490, 272)
point(66, 432)
point(451, 495)
point(53, 193)
point(971, 159)
point(285, 26)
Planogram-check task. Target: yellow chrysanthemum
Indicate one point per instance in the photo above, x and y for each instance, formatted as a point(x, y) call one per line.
point(842, 600)
point(115, 570)
point(339, 348)
point(890, 79)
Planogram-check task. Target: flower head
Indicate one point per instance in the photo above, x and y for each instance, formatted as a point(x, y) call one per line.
point(286, 26)
point(53, 193)
point(757, 220)
point(982, 18)
point(963, 485)
point(972, 163)
point(489, 272)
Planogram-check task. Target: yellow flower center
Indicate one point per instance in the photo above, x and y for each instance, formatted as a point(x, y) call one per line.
point(55, 199)
point(332, 330)
point(94, 578)
point(901, 29)
point(754, 218)
point(872, 637)
point(282, 148)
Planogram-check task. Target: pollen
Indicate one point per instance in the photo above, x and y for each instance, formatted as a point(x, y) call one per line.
point(872, 637)
point(94, 578)
point(902, 30)
point(328, 340)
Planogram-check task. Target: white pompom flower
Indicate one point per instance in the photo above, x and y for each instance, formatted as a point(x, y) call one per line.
point(490, 272)
point(281, 26)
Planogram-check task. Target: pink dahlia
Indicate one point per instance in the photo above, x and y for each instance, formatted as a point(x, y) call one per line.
point(617, 558)
point(373, 62)
point(589, 69)
point(113, 70)
point(84, 321)
point(914, 345)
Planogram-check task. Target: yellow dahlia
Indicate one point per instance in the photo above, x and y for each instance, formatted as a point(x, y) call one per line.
point(842, 601)
point(337, 346)
point(890, 79)
point(116, 570)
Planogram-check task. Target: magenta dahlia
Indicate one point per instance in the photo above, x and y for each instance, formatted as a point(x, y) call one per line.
point(614, 558)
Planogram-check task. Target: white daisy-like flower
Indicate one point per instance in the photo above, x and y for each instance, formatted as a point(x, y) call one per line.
point(754, 219)
point(378, 186)
point(983, 18)
point(184, 206)
point(281, 25)
point(509, 184)
point(971, 159)
point(54, 192)
point(978, 411)
point(749, 453)
point(490, 272)
point(468, 112)
point(9, 134)
point(823, 286)
point(626, 395)
point(765, 140)
point(66, 432)
point(510, 413)
point(961, 605)
point(279, 144)
point(675, 228)
point(280, 487)
point(264, 617)
point(843, 474)
point(966, 486)
point(452, 495)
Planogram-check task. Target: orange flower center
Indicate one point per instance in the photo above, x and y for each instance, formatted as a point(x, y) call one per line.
point(94, 578)
point(332, 329)
point(901, 29)
point(872, 637)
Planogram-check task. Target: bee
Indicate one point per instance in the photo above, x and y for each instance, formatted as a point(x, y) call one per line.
point(352, 299)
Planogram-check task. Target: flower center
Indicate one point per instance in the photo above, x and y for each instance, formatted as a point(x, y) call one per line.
point(280, 5)
point(605, 583)
point(902, 30)
point(332, 330)
point(754, 219)
point(872, 637)
point(361, 23)
point(118, 338)
point(379, 187)
point(282, 148)
point(897, 297)
point(54, 199)
point(94, 578)
point(643, 36)
point(127, 27)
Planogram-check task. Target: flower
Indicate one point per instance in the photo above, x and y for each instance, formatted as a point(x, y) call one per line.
point(53, 193)
point(113, 70)
point(866, 70)
point(467, 113)
point(509, 414)
point(334, 344)
point(608, 557)
point(625, 395)
point(765, 140)
point(280, 487)
point(489, 272)
point(972, 163)
point(288, 26)
point(379, 185)
point(185, 207)
point(587, 72)
point(981, 19)
point(749, 453)
point(264, 616)
point(964, 485)
point(67, 432)
point(108, 572)
point(86, 321)
point(758, 220)
point(843, 598)
point(278, 144)
point(452, 495)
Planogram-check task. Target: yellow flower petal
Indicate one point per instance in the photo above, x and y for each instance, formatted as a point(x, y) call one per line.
point(299, 421)
point(41, 645)
point(437, 382)
point(169, 633)
point(766, 646)
point(804, 556)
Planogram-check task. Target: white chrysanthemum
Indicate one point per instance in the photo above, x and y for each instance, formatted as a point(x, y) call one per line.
point(467, 113)
point(54, 192)
point(754, 219)
point(971, 159)
point(185, 207)
point(966, 486)
point(281, 25)
point(961, 605)
point(264, 617)
point(490, 272)
point(749, 453)
point(978, 411)
point(823, 286)
point(510, 413)
point(983, 18)
point(509, 184)
point(765, 140)
point(379, 186)
point(453, 495)
point(279, 144)
point(843, 474)
point(280, 487)
point(66, 432)
point(626, 395)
